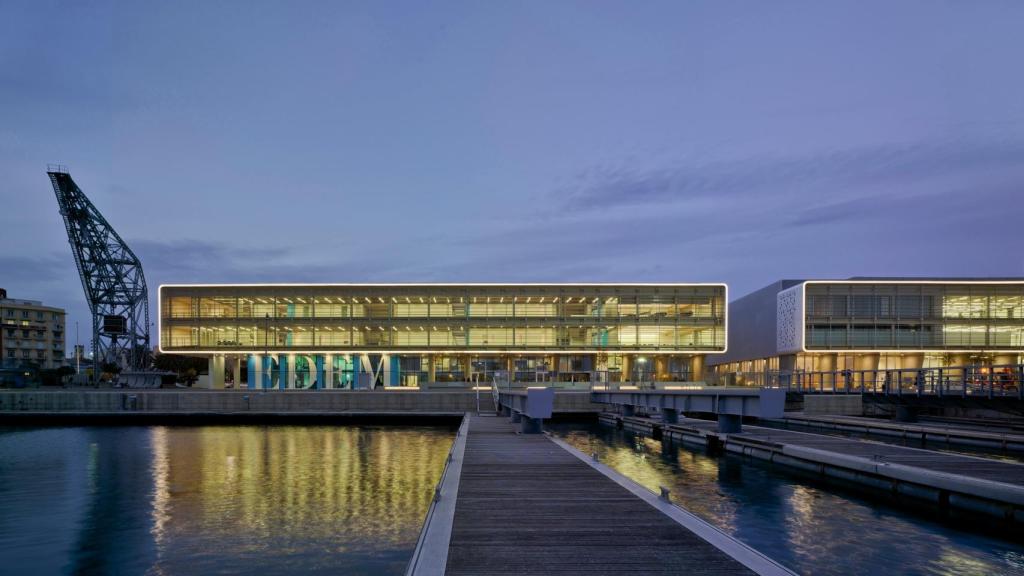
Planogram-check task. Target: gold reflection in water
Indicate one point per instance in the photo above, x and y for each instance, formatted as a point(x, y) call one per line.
point(292, 488)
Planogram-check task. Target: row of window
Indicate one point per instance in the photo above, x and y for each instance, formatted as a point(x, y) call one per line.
point(30, 344)
point(11, 333)
point(479, 337)
point(915, 306)
point(40, 354)
point(916, 336)
point(683, 307)
point(11, 313)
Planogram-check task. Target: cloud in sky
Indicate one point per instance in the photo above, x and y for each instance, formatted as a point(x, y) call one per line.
point(701, 141)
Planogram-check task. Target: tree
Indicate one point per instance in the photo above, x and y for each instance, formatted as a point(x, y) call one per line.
point(186, 367)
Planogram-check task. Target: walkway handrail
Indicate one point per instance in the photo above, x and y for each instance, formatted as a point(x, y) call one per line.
point(419, 563)
point(1001, 380)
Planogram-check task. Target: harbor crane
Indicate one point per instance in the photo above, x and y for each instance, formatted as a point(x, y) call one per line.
point(114, 284)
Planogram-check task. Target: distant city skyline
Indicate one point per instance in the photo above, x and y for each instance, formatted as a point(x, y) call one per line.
point(561, 142)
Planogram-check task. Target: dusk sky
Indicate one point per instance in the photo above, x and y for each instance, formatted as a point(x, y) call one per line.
point(515, 141)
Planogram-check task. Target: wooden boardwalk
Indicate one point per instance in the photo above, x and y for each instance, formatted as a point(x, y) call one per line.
point(527, 506)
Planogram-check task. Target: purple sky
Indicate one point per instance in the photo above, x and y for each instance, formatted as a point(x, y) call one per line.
point(516, 141)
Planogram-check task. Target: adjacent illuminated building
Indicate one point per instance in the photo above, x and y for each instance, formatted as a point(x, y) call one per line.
point(874, 324)
point(367, 335)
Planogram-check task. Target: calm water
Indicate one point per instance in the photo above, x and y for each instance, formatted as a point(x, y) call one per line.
point(809, 529)
point(215, 500)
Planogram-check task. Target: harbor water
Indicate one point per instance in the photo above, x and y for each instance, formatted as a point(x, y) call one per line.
point(215, 499)
point(811, 529)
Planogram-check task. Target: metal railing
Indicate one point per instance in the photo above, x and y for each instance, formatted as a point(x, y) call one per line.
point(1005, 380)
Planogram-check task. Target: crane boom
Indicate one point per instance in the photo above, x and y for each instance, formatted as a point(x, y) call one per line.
point(112, 278)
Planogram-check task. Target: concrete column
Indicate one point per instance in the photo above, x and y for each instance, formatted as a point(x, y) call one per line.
point(215, 365)
point(669, 416)
point(787, 365)
point(530, 425)
point(467, 366)
point(730, 423)
point(431, 369)
point(697, 368)
point(863, 363)
point(906, 413)
point(627, 367)
point(328, 371)
point(827, 363)
point(912, 361)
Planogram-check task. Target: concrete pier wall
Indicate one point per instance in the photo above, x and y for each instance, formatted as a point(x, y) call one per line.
point(242, 401)
point(834, 404)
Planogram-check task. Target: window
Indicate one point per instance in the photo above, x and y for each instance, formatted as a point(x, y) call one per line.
point(24, 313)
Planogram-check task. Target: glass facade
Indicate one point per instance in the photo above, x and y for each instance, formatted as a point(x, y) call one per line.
point(408, 334)
point(914, 316)
point(866, 326)
point(546, 318)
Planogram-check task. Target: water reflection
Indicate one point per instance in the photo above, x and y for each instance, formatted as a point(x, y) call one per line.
point(222, 500)
point(809, 529)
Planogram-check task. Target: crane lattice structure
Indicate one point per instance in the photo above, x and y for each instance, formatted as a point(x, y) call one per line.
point(111, 276)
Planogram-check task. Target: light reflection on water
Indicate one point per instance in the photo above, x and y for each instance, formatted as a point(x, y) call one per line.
point(215, 499)
point(809, 529)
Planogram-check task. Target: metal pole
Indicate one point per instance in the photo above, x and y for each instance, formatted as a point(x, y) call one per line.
point(266, 347)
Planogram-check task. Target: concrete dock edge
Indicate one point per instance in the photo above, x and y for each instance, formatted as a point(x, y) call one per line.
point(430, 556)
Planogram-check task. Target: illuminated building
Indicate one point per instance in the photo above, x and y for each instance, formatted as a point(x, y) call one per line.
point(367, 335)
point(873, 324)
point(30, 333)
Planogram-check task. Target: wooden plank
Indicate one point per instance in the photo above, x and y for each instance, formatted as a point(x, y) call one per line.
point(526, 506)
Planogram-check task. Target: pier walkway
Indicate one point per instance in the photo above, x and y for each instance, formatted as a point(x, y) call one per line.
point(527, 505)
point(981, 485)
point(996, 439)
